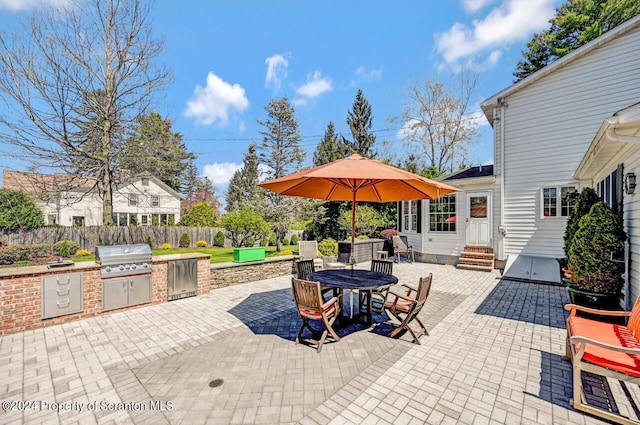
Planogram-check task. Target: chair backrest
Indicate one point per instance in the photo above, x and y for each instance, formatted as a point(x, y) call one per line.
point(399, 243)
point(424, 287)
point(307, 295)
point(633, 324)
point(382, 266)
point(305, 267)
point(308, 249)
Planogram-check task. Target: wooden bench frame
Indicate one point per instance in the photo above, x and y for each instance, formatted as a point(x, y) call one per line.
point(576, 346)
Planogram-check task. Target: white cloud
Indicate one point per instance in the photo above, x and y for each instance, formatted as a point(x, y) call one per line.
point(16, 5)
point(276, 71)
point(368, 75)
point(220, 173)
point(473, 6)
point(511, 22)
point(213, 102)
point(316, 85)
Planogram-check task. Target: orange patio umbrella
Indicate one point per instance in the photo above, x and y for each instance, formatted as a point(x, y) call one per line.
point(357, 178)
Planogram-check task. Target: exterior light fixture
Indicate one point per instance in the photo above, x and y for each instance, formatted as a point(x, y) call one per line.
point(629, 183)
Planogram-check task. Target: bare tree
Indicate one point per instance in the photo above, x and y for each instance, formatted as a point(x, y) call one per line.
point(72, 82)
point(436, 122)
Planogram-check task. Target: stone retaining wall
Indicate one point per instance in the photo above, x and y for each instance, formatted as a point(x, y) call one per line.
point(227, 274)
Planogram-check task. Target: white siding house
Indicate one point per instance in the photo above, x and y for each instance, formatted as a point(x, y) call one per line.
point(544, 125)
point(551, 136)
point(142, 200)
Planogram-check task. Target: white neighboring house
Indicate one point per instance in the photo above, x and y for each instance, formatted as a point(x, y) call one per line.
point(142, 200)
point(549, 133)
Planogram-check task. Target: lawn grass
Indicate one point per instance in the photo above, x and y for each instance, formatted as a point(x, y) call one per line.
point(218, 255)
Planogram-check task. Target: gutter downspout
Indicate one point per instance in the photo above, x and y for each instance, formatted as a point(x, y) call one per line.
point(503, 105)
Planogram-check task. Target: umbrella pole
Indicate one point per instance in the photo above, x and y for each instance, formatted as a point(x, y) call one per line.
point(353, 230)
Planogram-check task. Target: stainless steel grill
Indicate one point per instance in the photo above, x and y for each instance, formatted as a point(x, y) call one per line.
point(123, 260)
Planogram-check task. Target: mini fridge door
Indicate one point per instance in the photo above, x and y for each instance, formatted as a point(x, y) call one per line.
point(183, 278)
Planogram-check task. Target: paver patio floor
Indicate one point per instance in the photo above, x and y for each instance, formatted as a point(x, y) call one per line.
point(493, 356)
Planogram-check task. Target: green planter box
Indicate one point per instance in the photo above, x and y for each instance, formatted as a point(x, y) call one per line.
point(242, 255)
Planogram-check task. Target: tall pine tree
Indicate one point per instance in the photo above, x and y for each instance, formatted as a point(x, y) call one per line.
point(328, 150)
point(360, 122)
point(243, 190)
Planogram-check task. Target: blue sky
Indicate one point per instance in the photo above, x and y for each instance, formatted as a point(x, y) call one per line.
point(229, 58)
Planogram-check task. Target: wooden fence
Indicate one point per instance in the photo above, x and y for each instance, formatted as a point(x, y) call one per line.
point(91, 236)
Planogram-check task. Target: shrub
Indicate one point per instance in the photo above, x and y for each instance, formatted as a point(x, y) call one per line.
point(294, 239)
point(149, 241)
point(201, 215)
point(219, 238)
point(272, 239)
point(65, 247)
point(19, 211)
point(250, 241)
point(328, 247)
point(599, 236)
point(368, 221)
point(244, 224)
point(83, 253)
point(165, 246)
point(362, 237)
point(185, 241)
point(11, 254)
point(583, 203)
point(285, 252)
point(40, 250)
point(201, 244)
point(285, 241)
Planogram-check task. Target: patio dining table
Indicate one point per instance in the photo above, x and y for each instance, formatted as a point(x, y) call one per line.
point(365, 281)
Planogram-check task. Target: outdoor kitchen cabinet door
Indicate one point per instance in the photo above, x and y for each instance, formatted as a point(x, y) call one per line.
point(139, 290)
point(115, 294)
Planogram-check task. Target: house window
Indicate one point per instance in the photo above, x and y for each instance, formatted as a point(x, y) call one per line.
point(78, 221)
point(410, 216)
point(133, 219)
point(442, 214)
point(123, 220)
point(144, 220)
point(610, 190)
point(145, 181)
point(133, 199)
point(556, 201)
point(52, 219)
point(155, 200)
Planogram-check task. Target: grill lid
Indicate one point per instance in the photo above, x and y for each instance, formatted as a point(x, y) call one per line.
point(115, 254)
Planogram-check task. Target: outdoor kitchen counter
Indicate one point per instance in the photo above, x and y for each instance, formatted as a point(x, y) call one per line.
point(21, 305)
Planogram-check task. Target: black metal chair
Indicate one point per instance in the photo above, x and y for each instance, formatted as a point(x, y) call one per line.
point(378, 296)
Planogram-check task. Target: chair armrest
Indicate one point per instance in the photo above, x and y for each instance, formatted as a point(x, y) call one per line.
point(574, 308)
point(585, 340)
point(327, 304)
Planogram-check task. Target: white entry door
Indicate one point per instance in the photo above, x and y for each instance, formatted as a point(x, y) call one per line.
point(479, 218)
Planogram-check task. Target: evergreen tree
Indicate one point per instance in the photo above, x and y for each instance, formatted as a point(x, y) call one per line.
point(576, 23)
point(156, 149)
point(198, 189)
point(328, 150)
point(243, 190)
point(360, 122)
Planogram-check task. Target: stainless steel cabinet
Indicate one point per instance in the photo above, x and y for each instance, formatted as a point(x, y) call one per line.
point(61, 294)
point(125, 292)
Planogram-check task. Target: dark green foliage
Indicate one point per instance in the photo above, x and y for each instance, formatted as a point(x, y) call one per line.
point(156, 149)
point(243, 190)
point(65, 247)
point(18, 211)
point(599, 235)
point(576, 23)
point(201, 215)
point(285, 241)
point(40, 250)
point(149, 241)
point(360, 121)
point(583, 203)
point(218, 239)
point(250, 241)
point(329, 149)
point(294, 239)
point(12, 254)
point(184, 241)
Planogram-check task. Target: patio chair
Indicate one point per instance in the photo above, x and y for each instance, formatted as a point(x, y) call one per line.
point(400, 246)
point(304, 268)
point(311, 306)
point(309, 251)
point(406, 307)
point(380, 295)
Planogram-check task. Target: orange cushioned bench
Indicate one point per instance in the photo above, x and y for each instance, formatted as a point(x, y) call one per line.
point(605, 349)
